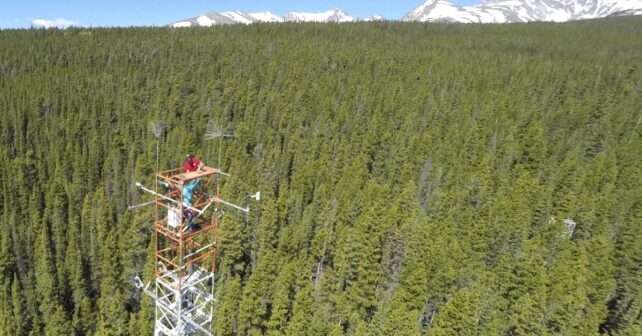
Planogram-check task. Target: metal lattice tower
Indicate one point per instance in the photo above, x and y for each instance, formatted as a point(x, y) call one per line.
point(185, 238)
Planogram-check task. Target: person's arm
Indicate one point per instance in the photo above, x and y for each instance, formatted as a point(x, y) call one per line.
point(199, 165)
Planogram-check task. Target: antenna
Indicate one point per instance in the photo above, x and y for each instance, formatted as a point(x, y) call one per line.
point(214, 131)
point(157, 128)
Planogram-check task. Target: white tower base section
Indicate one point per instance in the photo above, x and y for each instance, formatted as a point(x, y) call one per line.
point(184, 306)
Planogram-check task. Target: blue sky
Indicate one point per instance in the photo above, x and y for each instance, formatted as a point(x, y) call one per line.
point(25, 13)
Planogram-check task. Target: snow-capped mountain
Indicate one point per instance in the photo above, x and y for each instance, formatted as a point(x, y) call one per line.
point(374, 18)
point(266, 17)
point(628, 12)
point(333, 15)
point(504, 11)
point(213, 18)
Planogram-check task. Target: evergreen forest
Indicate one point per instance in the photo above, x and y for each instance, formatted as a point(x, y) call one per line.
point(416, 179)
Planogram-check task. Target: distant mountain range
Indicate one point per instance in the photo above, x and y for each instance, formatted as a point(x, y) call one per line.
point(507, 11)
point(487, 11)
point(213, 18)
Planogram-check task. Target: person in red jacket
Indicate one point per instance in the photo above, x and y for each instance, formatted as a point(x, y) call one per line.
point(192, 163)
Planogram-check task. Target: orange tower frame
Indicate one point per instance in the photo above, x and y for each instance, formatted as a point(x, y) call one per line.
point(175, 238)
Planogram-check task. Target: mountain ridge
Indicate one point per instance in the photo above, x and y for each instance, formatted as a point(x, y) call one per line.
point(239, 17)
point(512, 11)
point(486, 11)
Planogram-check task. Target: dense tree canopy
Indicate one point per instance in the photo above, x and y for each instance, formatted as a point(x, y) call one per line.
point(415, 177)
